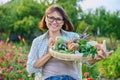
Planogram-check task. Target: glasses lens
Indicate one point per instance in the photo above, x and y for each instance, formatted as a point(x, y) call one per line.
point(58, 20)
point(51, 19)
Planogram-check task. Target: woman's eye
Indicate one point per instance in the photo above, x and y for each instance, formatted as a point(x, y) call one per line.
point(51, 17)
point(58, 19)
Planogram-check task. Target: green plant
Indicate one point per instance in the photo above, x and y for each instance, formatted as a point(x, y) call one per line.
point(93, 73)
point(111, 65)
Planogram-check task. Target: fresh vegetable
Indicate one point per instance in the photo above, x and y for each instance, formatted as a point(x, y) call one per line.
point(86, 48)
point(60, 43)
point(61, 46)
point(82, 45)
point(79, 45)
point(60, 39)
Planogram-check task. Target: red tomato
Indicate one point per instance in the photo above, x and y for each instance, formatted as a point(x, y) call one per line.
point(89, 79)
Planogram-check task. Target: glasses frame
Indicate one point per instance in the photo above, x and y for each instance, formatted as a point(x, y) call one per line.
point(52, 19)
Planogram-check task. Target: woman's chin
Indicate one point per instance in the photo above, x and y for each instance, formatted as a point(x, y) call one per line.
point(54, 30)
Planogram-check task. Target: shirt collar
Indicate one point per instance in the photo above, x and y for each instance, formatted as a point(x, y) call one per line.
point(45, 35)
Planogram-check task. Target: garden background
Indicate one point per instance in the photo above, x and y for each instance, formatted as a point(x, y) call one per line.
point(19, 21)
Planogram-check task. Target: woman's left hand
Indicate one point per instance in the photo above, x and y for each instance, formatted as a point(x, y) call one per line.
point(102, 53)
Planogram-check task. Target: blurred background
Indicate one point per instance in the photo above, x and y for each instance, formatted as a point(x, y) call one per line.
point(19, 25)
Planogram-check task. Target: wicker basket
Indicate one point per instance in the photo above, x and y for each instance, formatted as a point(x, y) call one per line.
point(69, 57)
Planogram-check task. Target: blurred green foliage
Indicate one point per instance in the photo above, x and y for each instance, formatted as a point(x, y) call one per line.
point(23, 16)
point(111, 66)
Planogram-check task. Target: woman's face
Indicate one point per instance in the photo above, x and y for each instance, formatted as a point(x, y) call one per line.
point(54, 21)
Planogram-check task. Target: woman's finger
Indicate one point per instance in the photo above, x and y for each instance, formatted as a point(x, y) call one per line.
point(51, 41)
point(104, 45)
point(109, 53)
point(98, 59)
point(101, 56)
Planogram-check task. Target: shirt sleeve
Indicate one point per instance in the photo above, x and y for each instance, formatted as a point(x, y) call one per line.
point(32, 57)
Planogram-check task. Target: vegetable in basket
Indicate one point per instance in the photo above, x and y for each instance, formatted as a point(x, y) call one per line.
point(87, 48)
point(61, 46)
point(83, 46)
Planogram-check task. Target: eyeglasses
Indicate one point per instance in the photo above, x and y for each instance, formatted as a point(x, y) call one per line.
point(57, 20)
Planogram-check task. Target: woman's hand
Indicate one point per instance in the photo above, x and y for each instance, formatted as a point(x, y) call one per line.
point(72, 46)
point(102, 53)
point(51, 42)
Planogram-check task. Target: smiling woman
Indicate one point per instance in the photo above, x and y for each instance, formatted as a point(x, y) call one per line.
point(40, 60)
point(58, 24)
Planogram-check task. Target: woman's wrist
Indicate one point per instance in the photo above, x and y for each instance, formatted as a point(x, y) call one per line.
point(49, 54)
point(91, 62)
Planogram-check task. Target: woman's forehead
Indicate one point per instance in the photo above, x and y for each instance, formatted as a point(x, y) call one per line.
point(55, 13)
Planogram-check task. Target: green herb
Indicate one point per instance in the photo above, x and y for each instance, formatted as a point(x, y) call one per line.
point(86, 48)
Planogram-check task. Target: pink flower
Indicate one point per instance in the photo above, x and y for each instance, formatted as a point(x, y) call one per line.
point(24, 65)
point(24, 59)
point(9, 54)
point(1, 42)
point(20, 72)
point(1, 77)
point(10, 44)
point(19, 79)
point(11, 68)
point(20, 62)
point(3, 69)
point(86, 74)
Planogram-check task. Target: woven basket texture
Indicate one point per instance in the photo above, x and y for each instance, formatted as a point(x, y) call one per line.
point(69, 57)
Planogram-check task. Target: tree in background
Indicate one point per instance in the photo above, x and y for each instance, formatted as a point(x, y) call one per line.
point(23, 16)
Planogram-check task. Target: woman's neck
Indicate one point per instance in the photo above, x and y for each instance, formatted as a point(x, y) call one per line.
point(54, 34)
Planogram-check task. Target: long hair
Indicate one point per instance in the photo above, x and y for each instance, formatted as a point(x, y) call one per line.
point(68, 26)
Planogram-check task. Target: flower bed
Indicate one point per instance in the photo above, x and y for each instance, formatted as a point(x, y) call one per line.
point(13, 62)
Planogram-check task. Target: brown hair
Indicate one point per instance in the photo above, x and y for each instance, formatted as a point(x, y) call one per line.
point(68, 26)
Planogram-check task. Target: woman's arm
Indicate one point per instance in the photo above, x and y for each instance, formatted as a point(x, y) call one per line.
point(42, 61)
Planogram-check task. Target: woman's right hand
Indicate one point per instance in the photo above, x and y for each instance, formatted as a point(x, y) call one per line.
point(51, 42)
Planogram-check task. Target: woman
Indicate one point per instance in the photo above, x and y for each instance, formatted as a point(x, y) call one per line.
point(40, 60)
